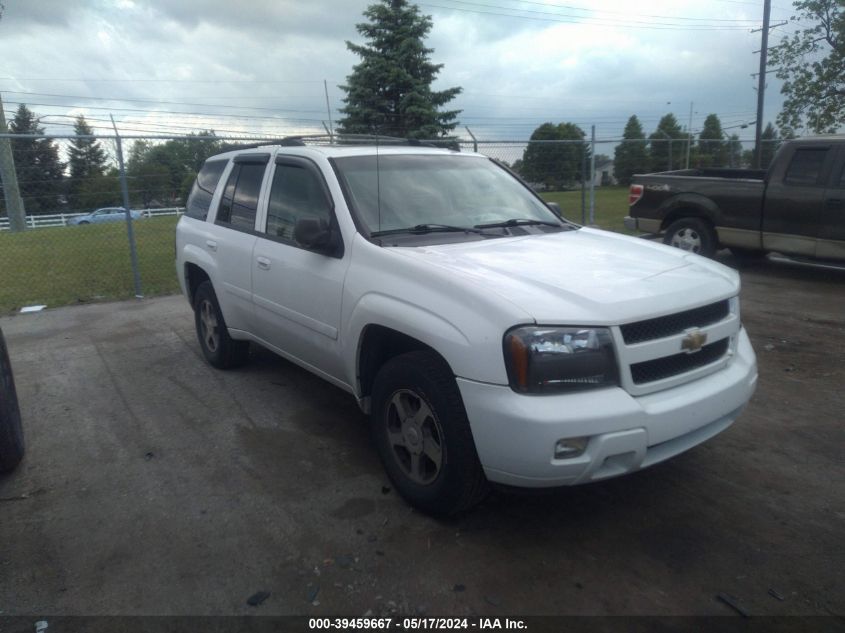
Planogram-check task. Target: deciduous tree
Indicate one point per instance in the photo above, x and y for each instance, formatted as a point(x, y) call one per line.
point(811, 63)
point(557, 165)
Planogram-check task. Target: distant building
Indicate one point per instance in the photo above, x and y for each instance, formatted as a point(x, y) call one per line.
point(604, 172)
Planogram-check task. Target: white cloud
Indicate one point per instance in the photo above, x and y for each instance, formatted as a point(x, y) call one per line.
point(273, 54)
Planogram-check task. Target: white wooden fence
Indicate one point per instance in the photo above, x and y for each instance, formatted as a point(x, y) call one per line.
point(61, 219)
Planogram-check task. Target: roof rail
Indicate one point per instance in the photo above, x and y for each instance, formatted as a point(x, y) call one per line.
point(357, 139)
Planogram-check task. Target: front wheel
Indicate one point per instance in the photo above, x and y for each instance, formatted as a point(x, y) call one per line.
point(422, 434)
point(219, 349)
point(692, 234)
point(11, 430)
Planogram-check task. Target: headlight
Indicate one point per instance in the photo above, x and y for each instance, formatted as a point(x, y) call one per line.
point(560, 359)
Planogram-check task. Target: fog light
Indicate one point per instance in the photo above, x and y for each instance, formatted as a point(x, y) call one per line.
point(571, 447)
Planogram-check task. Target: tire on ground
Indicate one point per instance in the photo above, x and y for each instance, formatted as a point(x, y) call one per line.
point(425, 377)
point(11, 430)
point(219, 349)
point(692, 234)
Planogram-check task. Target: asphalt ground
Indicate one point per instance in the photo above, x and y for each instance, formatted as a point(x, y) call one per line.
point(156, 485)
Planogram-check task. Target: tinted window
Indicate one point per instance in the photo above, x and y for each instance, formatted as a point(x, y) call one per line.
point(199, 199)
point(296, 193)
point(240, 198)
point(806, 167)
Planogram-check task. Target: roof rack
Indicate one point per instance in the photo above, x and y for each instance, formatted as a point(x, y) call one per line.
point(354, 139)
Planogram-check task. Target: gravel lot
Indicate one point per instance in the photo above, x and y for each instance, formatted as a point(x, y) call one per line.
point(156, 485)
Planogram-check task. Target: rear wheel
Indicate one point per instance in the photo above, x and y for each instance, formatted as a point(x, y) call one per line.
point(423, 436)
point(692, 234)
point(11, 430)
point(219, 349)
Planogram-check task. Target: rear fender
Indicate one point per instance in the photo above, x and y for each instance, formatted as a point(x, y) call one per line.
point(689, 205)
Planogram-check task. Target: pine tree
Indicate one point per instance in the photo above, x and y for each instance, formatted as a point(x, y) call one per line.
point(86, 160)
point(389, 91)
point(712, 150)
point(668, 136)
point(40, 172)
point(770, 144)
point(631, 156)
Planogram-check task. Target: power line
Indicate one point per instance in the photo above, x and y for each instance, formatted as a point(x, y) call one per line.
point(594, 11)
point(579, 19)
point(155, 101)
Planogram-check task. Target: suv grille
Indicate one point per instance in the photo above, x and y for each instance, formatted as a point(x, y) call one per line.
point(659, 368)
point(674, 323)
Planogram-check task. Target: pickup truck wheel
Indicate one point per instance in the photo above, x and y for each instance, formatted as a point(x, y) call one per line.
point(219, 349)
point(11, 430)
point(693, 235)
point(422, 434)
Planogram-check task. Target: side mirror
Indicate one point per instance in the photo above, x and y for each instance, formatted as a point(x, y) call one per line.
point(313, 234)
point(555, 207)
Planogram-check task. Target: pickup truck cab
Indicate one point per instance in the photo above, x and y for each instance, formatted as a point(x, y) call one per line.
point(489, 339)
point(796, 207)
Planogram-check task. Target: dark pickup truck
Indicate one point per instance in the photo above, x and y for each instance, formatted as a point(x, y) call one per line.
point(796, 208)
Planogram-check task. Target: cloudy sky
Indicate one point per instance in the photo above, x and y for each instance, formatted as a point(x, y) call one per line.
point(257, 66)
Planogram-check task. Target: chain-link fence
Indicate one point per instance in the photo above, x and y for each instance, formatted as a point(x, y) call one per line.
point(65, 236)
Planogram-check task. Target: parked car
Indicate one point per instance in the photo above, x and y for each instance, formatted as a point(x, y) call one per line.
point(107, 214)
point(488, 338)
point(11, 431)
point(794, 208)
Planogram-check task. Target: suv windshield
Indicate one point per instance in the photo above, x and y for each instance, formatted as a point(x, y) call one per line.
point(416, 192)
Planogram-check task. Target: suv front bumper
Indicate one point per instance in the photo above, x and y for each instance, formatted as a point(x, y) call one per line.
point(515, 435)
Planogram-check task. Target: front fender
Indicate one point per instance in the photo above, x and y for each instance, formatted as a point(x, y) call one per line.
point(476, 356)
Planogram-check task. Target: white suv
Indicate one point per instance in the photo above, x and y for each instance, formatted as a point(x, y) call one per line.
point(489, 339)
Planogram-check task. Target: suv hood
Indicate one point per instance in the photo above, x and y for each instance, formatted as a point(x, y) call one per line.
point(584, 276)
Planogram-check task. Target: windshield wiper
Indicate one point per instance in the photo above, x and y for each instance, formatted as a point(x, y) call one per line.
point(429, 228)
point(518, 222)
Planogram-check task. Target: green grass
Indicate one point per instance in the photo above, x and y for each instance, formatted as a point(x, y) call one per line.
point(611, 206)
point(65, 265)
point(77, 264)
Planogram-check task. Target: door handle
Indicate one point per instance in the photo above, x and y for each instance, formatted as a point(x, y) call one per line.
point(835, 203)
point(263, 263)
point(211, 245)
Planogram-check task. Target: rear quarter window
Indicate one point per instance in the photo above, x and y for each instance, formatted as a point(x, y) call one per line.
point(199, 200)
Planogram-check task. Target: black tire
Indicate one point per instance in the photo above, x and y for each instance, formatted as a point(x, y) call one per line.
point(84, 222)
point(11, 430)
point(424, 378)
point(219, 349)
point(692, 234)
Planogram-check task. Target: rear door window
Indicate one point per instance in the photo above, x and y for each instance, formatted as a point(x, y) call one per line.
point(202, 192)
point(240, 197)
point(806, 167)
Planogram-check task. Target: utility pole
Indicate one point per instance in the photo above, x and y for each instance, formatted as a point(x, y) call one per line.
point(761, 81)
point(689, 134)
point(11, 191)
point(329, 111)
point(593, 176)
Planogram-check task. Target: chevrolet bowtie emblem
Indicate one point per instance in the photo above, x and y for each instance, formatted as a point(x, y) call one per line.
point(693, 341)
